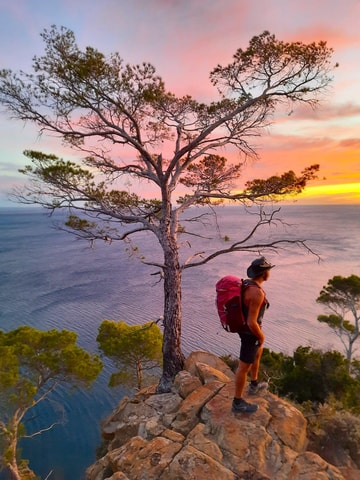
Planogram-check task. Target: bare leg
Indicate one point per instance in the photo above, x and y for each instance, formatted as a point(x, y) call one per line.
point(240, 378)
point(254, 372)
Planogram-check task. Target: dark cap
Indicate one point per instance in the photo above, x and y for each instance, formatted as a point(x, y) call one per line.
point(258, 266)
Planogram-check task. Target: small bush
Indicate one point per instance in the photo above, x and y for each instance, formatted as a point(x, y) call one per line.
point(230, 361)
point(335, 435)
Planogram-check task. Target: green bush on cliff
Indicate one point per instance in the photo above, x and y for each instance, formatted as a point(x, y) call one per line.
point(333, 433)
point(310, 375)
point(313, 375)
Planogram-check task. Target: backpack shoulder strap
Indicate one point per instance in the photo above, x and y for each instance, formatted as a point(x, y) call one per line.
point(250, 283)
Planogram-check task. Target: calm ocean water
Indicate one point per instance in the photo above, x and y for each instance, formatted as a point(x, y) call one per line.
point(50, 280)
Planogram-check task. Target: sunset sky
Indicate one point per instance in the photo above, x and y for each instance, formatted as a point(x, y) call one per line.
point(185, 40)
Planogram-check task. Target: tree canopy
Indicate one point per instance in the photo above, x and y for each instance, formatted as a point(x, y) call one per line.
point(133, 134)
point(34, 363)
point(135, 350)
point(341, 296)
point(313, 376)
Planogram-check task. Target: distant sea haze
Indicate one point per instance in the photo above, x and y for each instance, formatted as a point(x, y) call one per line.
point(49, 280)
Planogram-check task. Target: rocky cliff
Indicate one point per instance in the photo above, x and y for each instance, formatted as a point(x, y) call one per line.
point(191, 434)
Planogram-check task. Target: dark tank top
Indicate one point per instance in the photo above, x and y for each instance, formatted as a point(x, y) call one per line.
point(264, 306)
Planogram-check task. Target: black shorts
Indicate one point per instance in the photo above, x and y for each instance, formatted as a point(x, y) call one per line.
point(249, 347)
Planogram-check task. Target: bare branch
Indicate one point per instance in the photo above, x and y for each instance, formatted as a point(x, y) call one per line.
point(256, 248)
point(39, 432)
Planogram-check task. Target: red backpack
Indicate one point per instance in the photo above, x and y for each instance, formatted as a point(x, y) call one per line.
point(229, 292)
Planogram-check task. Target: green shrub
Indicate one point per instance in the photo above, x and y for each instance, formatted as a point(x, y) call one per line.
point(335, 435)
point(230, 361)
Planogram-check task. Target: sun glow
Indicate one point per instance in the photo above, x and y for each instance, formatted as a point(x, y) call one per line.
point(347, 193)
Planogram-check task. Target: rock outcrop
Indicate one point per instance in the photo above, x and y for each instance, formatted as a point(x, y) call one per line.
point(191, 434)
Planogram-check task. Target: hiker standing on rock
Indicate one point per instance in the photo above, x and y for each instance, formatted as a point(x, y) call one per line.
point(252, 340)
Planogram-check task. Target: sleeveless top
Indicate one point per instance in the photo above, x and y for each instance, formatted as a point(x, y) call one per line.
point(265, 305)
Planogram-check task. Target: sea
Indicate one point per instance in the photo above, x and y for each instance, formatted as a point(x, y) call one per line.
point(51, 280)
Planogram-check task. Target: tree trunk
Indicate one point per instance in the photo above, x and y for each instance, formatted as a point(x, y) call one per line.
point(173, 358)
point(12, 465)
point(13, 472)
point(16, 472)
point(139, 374)
point(349, 353)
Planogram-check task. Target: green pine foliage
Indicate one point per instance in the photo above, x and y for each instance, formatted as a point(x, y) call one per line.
point(314, 376)
point(341, 297)
point(34, 363)
point(135, 350)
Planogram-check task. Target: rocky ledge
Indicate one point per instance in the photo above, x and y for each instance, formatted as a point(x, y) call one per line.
point(191, 434)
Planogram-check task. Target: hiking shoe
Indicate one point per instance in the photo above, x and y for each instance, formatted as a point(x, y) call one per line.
point(256, 389)
point(244, 407)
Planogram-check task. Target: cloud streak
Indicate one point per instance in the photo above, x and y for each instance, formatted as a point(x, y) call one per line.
point(185, 41)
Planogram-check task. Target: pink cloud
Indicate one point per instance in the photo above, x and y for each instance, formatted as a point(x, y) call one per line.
point(350, 143)
point(326, 111)
point(283, 143)
point(186, 40)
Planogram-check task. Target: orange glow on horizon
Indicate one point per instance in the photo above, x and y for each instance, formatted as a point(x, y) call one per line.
point(346, 193)
point(335, 194)
point(292, 140)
